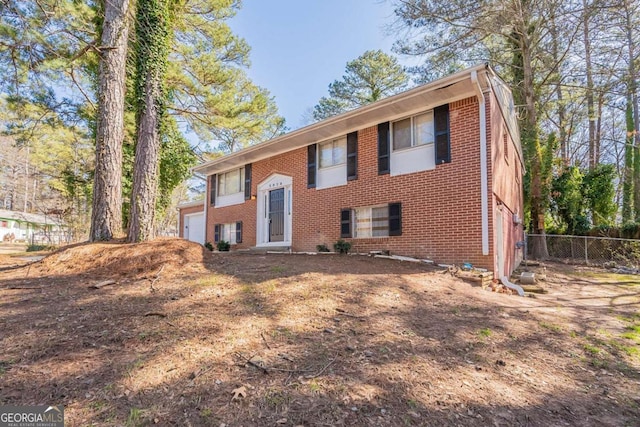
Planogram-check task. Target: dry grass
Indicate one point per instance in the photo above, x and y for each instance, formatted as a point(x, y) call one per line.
point(308, 340)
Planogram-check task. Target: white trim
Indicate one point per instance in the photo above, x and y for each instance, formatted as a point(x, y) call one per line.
point(191, 204)
point(484, 196)
point(229, 200)
point(413, 159)
point(331, 176)
point(274, 182)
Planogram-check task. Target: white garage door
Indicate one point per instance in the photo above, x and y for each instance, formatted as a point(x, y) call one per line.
point(194, 227)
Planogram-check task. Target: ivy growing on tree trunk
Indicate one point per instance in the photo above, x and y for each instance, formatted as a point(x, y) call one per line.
point(153, 38)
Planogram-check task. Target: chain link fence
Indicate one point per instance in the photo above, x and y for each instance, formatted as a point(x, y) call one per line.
point(588, 249)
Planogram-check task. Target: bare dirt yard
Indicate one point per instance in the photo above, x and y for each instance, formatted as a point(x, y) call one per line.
point(187, 337)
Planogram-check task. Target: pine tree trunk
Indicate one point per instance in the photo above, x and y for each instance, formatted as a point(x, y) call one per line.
point(627, 179)
point(153, 34)
point(564, 143)
point(598, 141)
point(106, 215)
point(593, 160)
point(633, 119)
point(525, 96)
point(145, 169)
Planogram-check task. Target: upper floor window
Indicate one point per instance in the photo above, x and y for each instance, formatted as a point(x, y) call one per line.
point(231, 182)
point(333, 153)
point(413, 131)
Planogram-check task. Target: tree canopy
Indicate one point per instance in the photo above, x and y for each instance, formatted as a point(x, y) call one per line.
point(50, 51)
point(572, 66)
point(370, 77)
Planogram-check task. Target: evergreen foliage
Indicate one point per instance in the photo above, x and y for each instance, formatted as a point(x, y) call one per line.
point(370, 77)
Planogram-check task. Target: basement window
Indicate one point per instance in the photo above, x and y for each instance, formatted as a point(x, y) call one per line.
point(371, 221)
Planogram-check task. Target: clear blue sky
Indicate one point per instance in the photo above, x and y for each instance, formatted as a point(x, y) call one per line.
point(298, 47)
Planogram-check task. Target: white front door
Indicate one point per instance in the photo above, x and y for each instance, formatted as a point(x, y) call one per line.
point(274, 216)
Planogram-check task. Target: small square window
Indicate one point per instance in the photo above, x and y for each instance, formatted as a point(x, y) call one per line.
point(333, 153)
point(231, 182)
point(371, 222)
point(413, 131)
point(228, 233)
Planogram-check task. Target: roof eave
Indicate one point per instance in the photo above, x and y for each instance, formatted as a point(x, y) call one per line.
point(450, 88)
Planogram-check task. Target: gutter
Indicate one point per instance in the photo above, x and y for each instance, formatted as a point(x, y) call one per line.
point(484, 192)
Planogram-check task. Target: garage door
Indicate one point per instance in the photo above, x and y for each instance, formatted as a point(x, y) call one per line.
point(194, 227)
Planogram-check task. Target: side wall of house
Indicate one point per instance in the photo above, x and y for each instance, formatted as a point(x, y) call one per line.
point(183, 213)
point(507, 199)
point(441, 215)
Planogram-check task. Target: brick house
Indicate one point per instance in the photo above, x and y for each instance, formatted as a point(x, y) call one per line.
point(434, 172)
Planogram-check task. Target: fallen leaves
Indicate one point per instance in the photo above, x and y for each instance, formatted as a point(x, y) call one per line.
point(239, 393)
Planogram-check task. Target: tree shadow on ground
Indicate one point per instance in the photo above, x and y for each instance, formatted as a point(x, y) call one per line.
point(302, 341)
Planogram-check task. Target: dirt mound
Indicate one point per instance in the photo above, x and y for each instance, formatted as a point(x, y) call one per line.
point(121, 259)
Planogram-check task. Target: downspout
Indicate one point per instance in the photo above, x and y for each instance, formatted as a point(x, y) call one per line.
point(484, 192)
point(207, 200)
point(513, 286)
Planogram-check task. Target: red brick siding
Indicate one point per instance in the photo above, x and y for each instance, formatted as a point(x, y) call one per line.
point(187, 211)
point(440, 208)
point(507, 189)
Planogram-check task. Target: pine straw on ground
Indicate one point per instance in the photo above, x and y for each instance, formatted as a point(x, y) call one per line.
point(122, 260)
point(6, 260)
point(187, 337)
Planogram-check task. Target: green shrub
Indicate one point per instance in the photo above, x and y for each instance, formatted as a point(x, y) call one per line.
point(223, 246)
point(342, 247)
point(209, 246)
point(630, 230)
point(37, 248)
point(322, 248)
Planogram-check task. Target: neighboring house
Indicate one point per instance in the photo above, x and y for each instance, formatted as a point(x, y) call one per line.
point(18, 226)
point(434, 172)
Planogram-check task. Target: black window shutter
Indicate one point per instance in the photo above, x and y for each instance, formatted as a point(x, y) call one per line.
point(441, 128)
point(345, 223)
point(384, 148)
point(239, 232)
point(395, 219)
point(352, 156)
point(212, 190)
point(311, 165)
point(216, 233)
point(247, 182)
